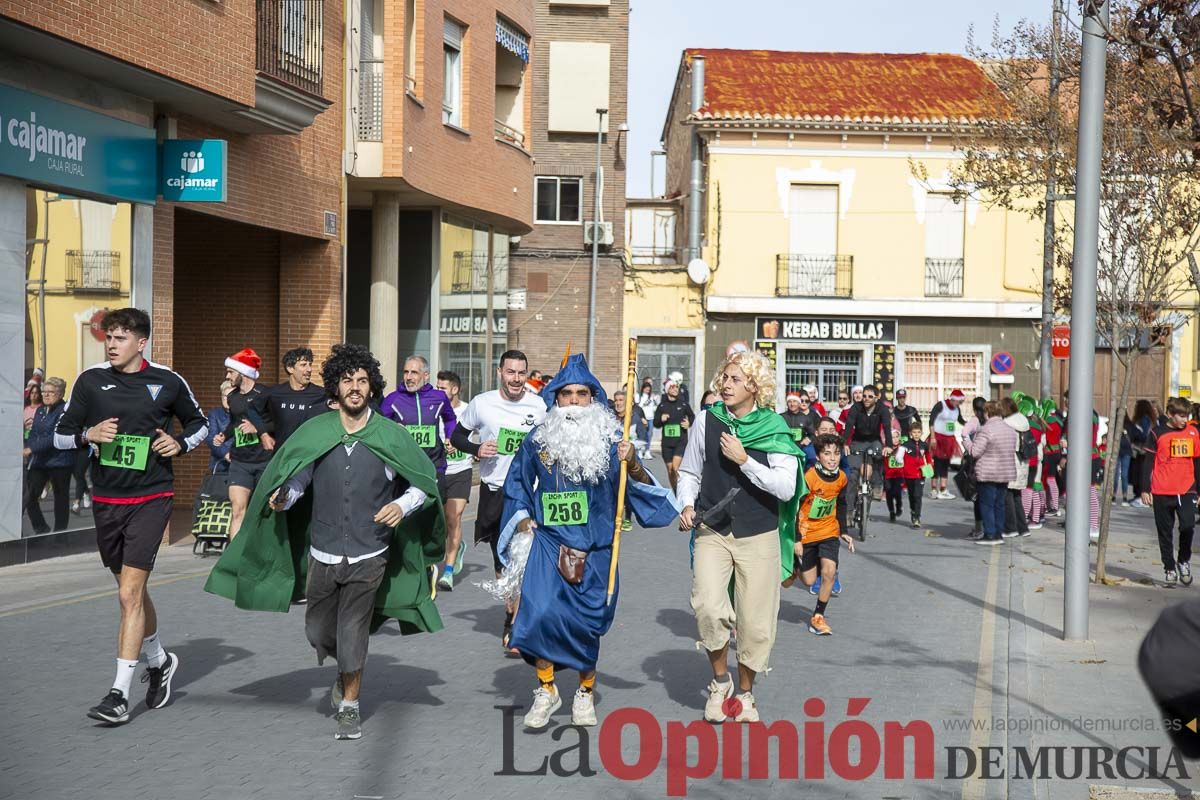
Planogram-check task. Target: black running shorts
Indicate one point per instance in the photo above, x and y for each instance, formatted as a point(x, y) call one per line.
point(487, 520)
point(456, 486)
point(131, 534)
point(673, 449)
point(246, 474)
point(813, 553)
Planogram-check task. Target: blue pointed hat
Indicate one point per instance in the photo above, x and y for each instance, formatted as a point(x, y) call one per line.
point(575, 371)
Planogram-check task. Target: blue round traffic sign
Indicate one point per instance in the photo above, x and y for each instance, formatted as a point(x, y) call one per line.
point(1003, 363)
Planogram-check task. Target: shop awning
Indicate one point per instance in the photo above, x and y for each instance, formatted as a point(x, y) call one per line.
point(512, 40)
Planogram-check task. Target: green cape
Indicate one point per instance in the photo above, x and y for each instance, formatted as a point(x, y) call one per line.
point(764, 430)
point(263, 568)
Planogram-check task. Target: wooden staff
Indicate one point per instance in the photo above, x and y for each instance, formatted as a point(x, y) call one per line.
point(630, 379)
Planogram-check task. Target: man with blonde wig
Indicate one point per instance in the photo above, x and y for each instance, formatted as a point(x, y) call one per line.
point(739, 491)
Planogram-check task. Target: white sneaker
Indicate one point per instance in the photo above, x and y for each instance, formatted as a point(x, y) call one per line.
point(545, 703)
point(87, 500)
point(1094, 534)
point(947, 496)
point(1009, 535)
point(749, 712)
point(1037, 526)
point(583, 708)
point(718, 693)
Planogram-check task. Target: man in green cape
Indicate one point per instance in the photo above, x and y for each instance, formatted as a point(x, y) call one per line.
point(740, 491)
point(346, 515)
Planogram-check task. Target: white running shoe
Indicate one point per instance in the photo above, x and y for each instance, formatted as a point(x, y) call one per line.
point(545, 703)
point(718, 693)
point(947, 496)
point(749, 710)
point(87, 499)
point(1185, 573)
point(583, 708)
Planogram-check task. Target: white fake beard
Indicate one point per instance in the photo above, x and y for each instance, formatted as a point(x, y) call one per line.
point(577, 440)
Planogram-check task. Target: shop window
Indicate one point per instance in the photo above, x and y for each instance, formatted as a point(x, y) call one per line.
point(558, 199)
point(929, 376)
point(78, 266)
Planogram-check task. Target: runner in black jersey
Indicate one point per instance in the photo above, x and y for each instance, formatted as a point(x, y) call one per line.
point(298, 399)
point(122, 411)
point(251, 428)
point(673, 417)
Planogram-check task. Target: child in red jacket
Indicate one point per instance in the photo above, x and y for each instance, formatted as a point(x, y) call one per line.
point(918, 464)
point(1169, 471)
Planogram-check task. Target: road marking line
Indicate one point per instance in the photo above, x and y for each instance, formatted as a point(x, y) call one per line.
point(975, 788)
point(95, 595)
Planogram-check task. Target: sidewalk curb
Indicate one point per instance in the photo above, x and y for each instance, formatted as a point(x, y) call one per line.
point(1018, 669)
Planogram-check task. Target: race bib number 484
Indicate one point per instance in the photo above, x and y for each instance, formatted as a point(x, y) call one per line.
point(565, 508)
point(424, 435)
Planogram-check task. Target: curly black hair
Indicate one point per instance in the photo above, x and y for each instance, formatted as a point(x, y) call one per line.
point(345, 359)
point(297, 354)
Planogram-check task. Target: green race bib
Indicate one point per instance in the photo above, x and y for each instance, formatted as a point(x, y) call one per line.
point(424, 435)
point(509, 440)
point(244, 439)
point(821, 508)
point(895, 462)
point(950, 426)
point(798, 434)
point(672, 431)
point(125, 452)
point(565, 508)
point(927, 471)
point(457, 455)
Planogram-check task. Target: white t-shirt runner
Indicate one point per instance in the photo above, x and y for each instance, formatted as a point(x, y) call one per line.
point(507, 422)
point(460, 461)
point(946, 422)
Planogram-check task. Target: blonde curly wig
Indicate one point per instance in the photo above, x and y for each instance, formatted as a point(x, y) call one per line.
point(760, 378)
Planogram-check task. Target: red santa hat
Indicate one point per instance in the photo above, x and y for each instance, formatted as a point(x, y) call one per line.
point(793, 393)
point(245, 361)
point(957, 396)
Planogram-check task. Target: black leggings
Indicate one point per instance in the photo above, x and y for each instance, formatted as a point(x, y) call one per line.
point(83, 463)
point(1166, 509)
point(60, 479)
point(1014, 513)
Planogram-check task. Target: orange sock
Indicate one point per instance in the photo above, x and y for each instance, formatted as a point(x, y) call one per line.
point(546, 675)
point(587, 684)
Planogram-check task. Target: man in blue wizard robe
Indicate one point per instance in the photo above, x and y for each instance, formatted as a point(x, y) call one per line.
point(563, 487)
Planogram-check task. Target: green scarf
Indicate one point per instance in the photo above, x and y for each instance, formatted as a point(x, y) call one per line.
point(765, 431)
point(263, 568)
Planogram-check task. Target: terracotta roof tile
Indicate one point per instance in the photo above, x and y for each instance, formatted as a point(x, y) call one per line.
point(915, 88)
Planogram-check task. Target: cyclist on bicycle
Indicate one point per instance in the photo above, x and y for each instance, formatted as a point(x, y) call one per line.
point(868, 431)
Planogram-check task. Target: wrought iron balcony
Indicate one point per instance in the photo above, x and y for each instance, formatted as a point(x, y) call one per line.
point(812, 275)
point(470, 272)
point(509, 134)
point(94, 271)
point(370, 100)
point(291, 43)
point(943, 277)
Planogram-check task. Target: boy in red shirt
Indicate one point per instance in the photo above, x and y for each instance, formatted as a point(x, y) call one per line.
point(918, 462)
point(1170, 474)
point(819, 524)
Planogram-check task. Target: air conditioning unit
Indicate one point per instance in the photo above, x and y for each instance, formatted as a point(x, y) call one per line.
point(601, 232)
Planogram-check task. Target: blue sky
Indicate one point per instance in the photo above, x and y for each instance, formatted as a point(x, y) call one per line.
point(659, 30)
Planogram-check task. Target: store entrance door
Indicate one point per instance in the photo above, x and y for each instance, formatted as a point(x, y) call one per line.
point(831, 371)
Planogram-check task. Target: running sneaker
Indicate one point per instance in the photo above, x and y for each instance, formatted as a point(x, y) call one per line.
point(837, 586)
point(1185, 573)
point(819, 626)
point(934, 494)
point(748, 712)
point(975, 535)
point(1010, 534)
point(626, 524)
point(1171, 577)
point(349, 724)
point(989, 542)
point(583, 708)
point(158, 693)
point(87, 499)
point(1094, 534)
point(718, 693)
point(337, 692)
point(1036, 526)
point(816, 587)
point(545, 703)
point(891, 516)
point(113, 709)
point(947, 496)
point(458, 558)
point(75, 508)
point(445, 581)
point(1027, 532)
point(916, 522)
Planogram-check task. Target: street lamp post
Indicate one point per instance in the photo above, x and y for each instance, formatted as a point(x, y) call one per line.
point(591, 342)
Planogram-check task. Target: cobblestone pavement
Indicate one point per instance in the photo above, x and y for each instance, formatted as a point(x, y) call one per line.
point(928, 627)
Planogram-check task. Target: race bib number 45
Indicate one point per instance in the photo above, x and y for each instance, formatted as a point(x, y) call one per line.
point(565, 508)
point(424, 435)
point(125, 452)
point(509, 440)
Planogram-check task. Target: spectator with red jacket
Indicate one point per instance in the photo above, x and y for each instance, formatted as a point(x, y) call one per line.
point(1169, 472)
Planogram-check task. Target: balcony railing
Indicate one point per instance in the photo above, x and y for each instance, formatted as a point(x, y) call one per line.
point(291, 43)
point(370, 100)
point(509, 134)
point(94, 271)
point(943, 277)
point(810, 275)
point(470, 272)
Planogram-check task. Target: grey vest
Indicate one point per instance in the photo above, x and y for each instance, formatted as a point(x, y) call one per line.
point(347, 491)
point(753, 511)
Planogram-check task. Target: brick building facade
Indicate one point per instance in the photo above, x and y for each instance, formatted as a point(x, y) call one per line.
point(262, 269)
point(575, 45)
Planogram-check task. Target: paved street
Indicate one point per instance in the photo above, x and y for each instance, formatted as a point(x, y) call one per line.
point(928, 628)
